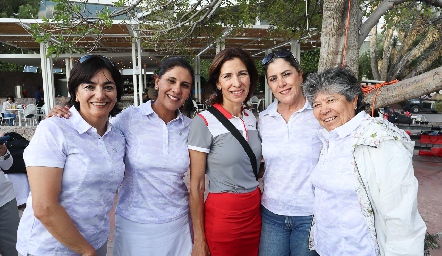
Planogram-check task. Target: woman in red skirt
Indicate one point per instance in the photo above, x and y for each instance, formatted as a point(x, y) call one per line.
point(229, 222)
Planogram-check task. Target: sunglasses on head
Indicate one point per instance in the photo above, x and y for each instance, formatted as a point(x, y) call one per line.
point(88, 56)
point(278, 54)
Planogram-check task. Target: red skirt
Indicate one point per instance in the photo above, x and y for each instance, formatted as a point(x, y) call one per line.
point(233, 223)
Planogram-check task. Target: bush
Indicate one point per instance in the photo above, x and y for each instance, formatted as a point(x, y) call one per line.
point(431, 243)
point(438, 106)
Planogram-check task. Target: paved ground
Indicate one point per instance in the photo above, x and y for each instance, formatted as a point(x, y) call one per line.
point(428, 171)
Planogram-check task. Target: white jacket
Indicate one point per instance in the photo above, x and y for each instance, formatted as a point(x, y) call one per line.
point(388, 187)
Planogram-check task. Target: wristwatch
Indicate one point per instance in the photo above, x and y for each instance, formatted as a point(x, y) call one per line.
point(5, 156)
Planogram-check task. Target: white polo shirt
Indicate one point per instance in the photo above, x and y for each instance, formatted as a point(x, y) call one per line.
point(291, 151)
point(93, 169)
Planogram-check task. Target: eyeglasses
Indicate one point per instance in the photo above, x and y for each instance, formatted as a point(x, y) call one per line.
point(278, 54)
point(88, 56)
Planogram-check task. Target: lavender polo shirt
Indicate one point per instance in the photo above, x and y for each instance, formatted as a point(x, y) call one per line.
point(93, 169)
point(153, 190)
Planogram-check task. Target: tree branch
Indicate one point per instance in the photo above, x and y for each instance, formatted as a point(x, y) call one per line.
point(383, 7)
point(373, 20)
point(125, 10)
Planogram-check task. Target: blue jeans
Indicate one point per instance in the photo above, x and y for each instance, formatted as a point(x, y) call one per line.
point(11, 121)
point(284, 235)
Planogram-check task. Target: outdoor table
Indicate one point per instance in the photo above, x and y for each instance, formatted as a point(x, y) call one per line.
point(19, 113)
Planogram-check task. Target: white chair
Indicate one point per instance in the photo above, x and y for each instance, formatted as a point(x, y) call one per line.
point(255, 102)
point(29, 114)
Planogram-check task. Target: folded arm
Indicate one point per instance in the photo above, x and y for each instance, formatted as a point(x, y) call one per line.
point(45, 183)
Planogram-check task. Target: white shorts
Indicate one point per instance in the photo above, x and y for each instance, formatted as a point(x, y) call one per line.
point(165, 239)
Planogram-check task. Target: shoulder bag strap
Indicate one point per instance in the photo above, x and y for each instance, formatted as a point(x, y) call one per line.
point(238, 136)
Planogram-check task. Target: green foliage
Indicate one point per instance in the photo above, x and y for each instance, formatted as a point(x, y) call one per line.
point(4, 66)
point(290, 18)
point(438, 106)
point(205, 65)
point(310, 61)
point(27, 11)
point(19, 8)
point(430, 243)
point(165, 24)
point(365, 66)
point(6, 49)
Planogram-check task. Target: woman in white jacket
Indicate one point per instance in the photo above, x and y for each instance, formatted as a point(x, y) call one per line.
point(365, 189)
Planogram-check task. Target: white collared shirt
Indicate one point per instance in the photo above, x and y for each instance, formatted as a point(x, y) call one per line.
point(93, 169)
point(291, 151)
point(153, 190)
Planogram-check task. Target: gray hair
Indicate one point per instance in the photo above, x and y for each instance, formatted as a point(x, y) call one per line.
point(334, 80)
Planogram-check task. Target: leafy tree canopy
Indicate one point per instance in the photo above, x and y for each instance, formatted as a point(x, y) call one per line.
point(16, 9)
point(171, 25)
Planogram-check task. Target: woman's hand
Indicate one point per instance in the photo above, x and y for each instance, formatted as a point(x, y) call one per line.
point(200, 249)
point(59, 111)
point(90, 252)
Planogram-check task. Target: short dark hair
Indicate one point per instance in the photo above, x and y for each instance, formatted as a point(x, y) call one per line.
point(85, 70)
point(215, 69)
point(10, 97)
point(171, 62)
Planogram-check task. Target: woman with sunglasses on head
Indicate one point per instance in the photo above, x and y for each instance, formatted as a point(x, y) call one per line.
point(290, 148)
point(152, 214)
point(74, 167)
point(229, 222)
point(6, 105)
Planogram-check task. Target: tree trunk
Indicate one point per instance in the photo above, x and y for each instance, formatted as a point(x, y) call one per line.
point(433, 55)
point(414, 87)
point(386, 53)
point(432, 36)
point(373, 54)
point(333, 35)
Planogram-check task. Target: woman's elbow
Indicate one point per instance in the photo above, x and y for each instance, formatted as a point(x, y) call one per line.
point(197, 188)
point(42, 211)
